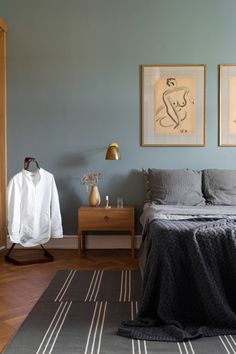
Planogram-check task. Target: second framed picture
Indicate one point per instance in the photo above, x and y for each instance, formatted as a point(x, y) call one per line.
point(227, 105)
point(173, 105)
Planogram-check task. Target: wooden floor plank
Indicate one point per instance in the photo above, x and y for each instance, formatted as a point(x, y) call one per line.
point(21, 286)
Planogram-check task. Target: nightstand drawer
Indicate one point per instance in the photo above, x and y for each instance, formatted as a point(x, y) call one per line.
point(106, 219)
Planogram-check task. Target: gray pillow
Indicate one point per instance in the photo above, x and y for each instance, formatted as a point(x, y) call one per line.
point(175, 187)
point(219, 186)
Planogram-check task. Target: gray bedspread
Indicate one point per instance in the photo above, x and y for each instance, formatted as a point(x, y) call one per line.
point(189, 284)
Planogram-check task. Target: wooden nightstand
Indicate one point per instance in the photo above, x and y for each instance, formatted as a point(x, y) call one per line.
point(105, 219)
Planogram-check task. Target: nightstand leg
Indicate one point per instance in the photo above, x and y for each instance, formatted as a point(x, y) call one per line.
point(132, 245)
point(79, 243)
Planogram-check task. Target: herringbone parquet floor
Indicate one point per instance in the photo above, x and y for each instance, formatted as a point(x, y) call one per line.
point(21, 286)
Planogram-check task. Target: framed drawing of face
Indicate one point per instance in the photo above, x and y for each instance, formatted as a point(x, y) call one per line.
point(173, 105)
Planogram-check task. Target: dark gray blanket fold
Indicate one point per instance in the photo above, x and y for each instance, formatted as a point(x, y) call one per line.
point(189, 285)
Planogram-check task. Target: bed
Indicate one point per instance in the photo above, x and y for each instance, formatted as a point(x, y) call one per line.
point(187, 256)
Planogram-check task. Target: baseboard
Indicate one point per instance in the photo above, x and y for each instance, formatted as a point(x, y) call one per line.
point(92, 242)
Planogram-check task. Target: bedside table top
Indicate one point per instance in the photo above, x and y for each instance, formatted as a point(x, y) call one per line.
point(104, 208)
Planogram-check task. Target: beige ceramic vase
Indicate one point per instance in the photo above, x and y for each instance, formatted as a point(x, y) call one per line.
point(94, 197)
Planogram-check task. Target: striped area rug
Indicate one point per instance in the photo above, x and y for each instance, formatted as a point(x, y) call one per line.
point(80, 311)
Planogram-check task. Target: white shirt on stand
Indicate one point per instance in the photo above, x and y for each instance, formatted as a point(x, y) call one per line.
point(33, 208)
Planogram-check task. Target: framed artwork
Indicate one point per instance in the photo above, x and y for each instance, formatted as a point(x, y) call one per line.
point(227, 105)
point(173, 105)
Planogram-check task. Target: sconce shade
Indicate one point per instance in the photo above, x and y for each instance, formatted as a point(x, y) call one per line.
point(113, 152)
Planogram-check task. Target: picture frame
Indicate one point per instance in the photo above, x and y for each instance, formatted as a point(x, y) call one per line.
point(227, 105)
point(173, 105)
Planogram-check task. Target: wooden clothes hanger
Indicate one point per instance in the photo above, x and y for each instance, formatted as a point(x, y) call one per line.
point(28, 160)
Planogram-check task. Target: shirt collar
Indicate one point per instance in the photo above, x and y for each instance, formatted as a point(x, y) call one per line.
point(33, 176)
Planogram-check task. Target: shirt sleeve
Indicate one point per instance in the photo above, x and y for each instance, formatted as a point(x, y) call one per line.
point(56, 222)
point(14, 215)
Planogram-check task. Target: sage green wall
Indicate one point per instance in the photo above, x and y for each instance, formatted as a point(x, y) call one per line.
point(73, 74)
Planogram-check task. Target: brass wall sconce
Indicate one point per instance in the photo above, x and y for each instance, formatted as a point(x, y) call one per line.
point(113, 152)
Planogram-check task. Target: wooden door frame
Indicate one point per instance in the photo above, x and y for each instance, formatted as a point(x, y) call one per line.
point(3, 138)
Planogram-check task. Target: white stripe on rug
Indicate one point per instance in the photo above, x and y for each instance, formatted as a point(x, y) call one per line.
point(65, 282)
point(138, 344)
point(59, 329)
point(179, 347)
point(132, 317)
point(121, 285)
point(125, 286)
point(91, 327)
point(67, 286)
point(95, 285)
point(96, 328)
point(190, 344)
point(93, 343)
point(129, 285)
point(91, 283)
point(98, 287)
point(183, 347)
point(141, 343)
point(224, 344)
point(101, 329)
point(138, 341)
point(64, 310)
point(61, 304)
point(233, 341)
point(227, 339)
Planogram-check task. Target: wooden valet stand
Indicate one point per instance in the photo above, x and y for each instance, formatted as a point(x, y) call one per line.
point(47, 258)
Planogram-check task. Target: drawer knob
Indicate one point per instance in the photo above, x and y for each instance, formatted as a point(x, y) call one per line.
point(106, 218)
